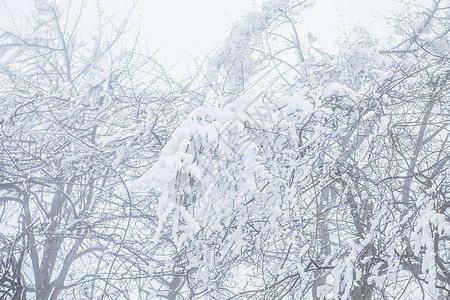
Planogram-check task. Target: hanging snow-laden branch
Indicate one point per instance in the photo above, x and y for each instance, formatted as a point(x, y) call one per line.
point(338, 190)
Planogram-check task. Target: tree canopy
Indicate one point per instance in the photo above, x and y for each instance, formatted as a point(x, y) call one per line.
point(277, 171)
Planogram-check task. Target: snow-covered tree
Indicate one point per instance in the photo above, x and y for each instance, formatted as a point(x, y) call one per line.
point(80, 117)
point(334, 185)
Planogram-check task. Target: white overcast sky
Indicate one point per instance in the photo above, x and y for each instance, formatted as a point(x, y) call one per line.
point(192, 27)
point(182, 29)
